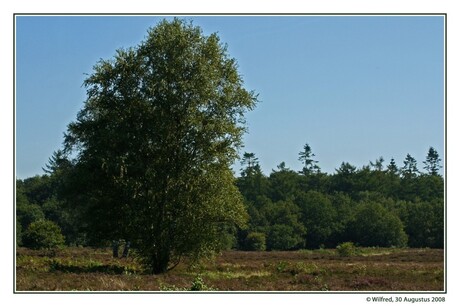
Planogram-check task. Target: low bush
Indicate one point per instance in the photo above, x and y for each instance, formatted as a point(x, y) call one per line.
point(197, 285)
point(43, 234)
point(346, 249)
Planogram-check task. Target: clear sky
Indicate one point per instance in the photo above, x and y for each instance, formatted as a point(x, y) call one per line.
point(354, 87)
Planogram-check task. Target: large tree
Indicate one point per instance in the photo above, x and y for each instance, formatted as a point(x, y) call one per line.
point(154, 143)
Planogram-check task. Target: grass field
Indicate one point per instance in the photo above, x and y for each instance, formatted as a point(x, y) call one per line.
point(371, 269)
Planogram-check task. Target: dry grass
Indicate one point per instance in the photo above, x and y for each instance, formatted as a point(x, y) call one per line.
point(84, 269)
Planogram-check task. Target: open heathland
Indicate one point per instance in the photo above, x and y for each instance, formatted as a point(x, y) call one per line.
point(367, 269)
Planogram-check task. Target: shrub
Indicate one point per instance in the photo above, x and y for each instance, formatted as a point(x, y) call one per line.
point(281, 266)
point(255, 241)
point(346, 249)
point(43, 234)
point(197, 285)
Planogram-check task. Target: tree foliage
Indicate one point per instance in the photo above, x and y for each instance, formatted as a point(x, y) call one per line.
point(373, 225)
point(318, 216)
point(43, 234)
point(284, 237)
point(154, 143)
point(370, 206)
point(424, 224)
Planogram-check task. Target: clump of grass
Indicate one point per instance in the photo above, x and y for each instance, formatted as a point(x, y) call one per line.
point(197, 285)
point(226, 266)
point(319, 251)
point(299, 268)
point(164, 287)
point(238, 274)
point(32, 263)
point(360, 269)
point(306, 268)
point(281, 266)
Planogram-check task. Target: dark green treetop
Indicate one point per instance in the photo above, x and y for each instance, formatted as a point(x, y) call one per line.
point(378, 164)
point(409, 169)
point(432, 162)
point(392, 168)
point(306, 157)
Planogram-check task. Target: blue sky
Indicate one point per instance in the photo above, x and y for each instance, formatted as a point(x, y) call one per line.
point(353, 87)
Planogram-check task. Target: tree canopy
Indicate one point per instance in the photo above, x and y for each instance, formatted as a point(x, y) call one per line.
point(155, 141)
point(369, 205)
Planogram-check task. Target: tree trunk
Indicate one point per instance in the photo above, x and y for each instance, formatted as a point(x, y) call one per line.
point(160, 262)
point(126, 249)
point(115, 245)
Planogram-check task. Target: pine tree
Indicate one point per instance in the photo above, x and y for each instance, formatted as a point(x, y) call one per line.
point(306, 157)
point(432, 162)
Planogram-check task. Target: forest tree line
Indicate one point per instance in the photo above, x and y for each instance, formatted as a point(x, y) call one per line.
point(376, 205)
point(379, 204)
